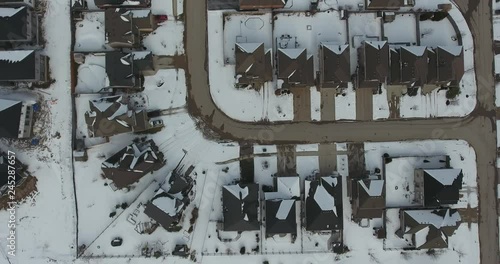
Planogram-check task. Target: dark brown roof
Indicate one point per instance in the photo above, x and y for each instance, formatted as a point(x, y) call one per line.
point(123, 26)
point(253, 63)
point(373, 59)
point(371, 198)
point(450, 64)
point(295, 67)
point(165, 209)
point(432, 66)
point(335, 65)
point(104, 3)
point(261, 4)
point(409, 65)
point(384, 4)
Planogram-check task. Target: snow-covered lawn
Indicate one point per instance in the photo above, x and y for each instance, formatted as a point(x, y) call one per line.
point(402, 30)
point(345, 104)
point(171, 8)
point(168, 39)
point(90, 34)
point(381, 105)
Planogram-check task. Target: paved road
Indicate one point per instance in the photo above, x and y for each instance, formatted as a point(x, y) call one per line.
point(479, 129)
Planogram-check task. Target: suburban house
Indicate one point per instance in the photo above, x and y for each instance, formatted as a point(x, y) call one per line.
point(428, 229)
point(282, 205)
point(253, 65)
point(18, 25)
point(335, 65)
point(323, 204)
point(125, 28)
point(368, 198)
point(131, 163)
point(295, 68)
point(165, 209)
point(122, 3)
point(261, 4)
point(373, 64)
point(388, 4)
point(438, 187)
point(23, 66)
point(409, 66)
point(109, 116)
point(30, 3)
point(240, 207)
point(446, 65)
point(17, 119)
point(19, 176)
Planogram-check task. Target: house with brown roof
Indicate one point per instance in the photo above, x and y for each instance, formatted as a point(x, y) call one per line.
point(125, 28)
point(438, 187)
point(388, 4)
point(253, 65)
point(335, 65)
point(132, 163)
point(373, 65)
point(240, 207)
point(323, 204)
point(448, 65)
point(295, 68)
point(368, 198)
point(122, 3)
point(409, 66)
point(112, 115)
point(261, 4)
point(428, 229)
point(18, 25)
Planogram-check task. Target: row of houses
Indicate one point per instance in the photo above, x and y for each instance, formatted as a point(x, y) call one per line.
point(369, 4)
point(378, 63)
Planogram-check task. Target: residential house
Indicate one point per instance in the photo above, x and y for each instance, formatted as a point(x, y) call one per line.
point(125, 27)
point(295, 68)
point(448, 65)
point(30, 3)
point(323, 204)
point(281, 206)
point(109, 116)
point(253, 65)
point(428, 229)
point(23, 66)
point(18, 26)
point(240, 207)
point(261, 4)
point(165, 209)
point(17, 119)
point(335, 65)
point(19, 173)
point(368, 198)
point(122, 3)
point(409, 66)
point(373, 65)
point(388, 4)
point(131, 163)
point(438, 187)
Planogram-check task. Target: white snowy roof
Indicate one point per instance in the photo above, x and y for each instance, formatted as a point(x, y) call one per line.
point(140, 13)
point(236, 190)
point(13, 56)
point(375, 189)
point(4, 104)
point(325, 201)
point(9, 11)
point(166, 203)
point(444, 176)
point(416, 50)
point(287, 187)
point(249, 47)
point(430, 218)
point(421, 236)
point(454, 50)
point(292, 53)
point(335, 48)
point(330, 180)
point(376, 44)
point(140, 55)
point(284, 209)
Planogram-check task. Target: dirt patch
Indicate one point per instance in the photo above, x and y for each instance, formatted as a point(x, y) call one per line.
point(27, 188)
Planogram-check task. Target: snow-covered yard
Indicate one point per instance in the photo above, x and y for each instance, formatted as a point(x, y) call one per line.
point(396, 33)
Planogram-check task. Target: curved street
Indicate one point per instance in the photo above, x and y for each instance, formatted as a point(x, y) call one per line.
point(479, 128)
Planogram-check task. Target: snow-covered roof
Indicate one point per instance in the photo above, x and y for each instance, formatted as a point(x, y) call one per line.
point(375, 189)
point(335, 48)
point(376, 44)
point(453, 50)
point(292, 53)
point(14, 56)
point(284, 209)
point(416, 50)
point(9, 11)
point(444, 176)
point(287, 187)
point(249, 47)
point(429, 217)
point(4, 104)
point(236, 190)
point(325, 201)
point(421, 236)
point(166, 203)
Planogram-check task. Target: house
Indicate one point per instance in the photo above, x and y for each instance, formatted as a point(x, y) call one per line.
point(448, 65)
point(125, 27)
point(388, 4)
point(23, 66)
point(131, 163)
point(261, 4)
point(368, 198)
point(286, 188)
point(240, 207)
point(30, 3)
point(295, 68)
point(373, 64)
point(165, 209)
point(335, 65)
point(428, 229)
point(253, 65)
point(437, 187)
point(281, 217)
point(19, 173)
point(323, 204)
point(18, 25)
point(17, 119)
point(409, 66)
point(109, 116)
point(122, 3)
